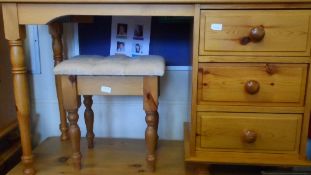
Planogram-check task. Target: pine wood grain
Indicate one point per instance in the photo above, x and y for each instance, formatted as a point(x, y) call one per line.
point(306, 120)
point(232, 108)
point(56, 32)
point(253, 59)
point(242, 158)
point(89, 119)
point(286, 32)
point(156, 1)
point(279, 84)
point(120, 85)
point(8, 120)
point(10, 21)
point(72, 102)
point(194, 74)
point(109, 156)
point(151, 95)
point(295, 41)
point(226, 131)
point(22, 101)
point(119, 157)
point(52, 11)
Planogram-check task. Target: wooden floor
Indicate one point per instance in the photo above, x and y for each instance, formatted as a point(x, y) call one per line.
point(121, 157)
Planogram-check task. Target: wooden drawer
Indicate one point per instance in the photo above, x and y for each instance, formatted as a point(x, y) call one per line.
point(252, 84)
point(286, 32)
point(249, 131)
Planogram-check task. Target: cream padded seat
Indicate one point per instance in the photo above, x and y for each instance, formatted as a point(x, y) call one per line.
point(149, 65)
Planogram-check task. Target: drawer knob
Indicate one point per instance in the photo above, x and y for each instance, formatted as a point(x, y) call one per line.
point(252, 86)
point(249, 136)
point(256, 35)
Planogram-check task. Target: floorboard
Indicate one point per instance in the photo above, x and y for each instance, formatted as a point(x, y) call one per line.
point(120, 157)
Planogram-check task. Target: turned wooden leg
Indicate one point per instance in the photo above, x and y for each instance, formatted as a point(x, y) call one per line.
point(21, 93)
point(71, 103)
point(15, 35)
point(152, 117)
point(156, 128)
point(56, 31)
point(75, 135)
point(151, 138)
point(89, 120)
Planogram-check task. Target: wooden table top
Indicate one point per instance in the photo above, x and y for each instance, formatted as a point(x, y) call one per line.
point(157, 1)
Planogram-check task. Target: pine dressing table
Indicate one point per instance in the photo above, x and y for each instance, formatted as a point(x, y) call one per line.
point(251, 91)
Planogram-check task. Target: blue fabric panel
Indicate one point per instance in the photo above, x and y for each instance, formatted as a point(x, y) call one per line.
point(172, 40)
point(169, 38)
point(94, 38)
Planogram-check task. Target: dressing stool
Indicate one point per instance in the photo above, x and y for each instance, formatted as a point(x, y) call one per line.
point(113, 75)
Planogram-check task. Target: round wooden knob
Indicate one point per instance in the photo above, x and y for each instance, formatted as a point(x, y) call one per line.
point(249, 136)
point(257, 33)
point(252, 86)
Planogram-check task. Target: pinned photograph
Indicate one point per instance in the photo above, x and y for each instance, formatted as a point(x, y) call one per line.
point(120, 46)
point(139, 32)
point(137, 48)
point(121, 30)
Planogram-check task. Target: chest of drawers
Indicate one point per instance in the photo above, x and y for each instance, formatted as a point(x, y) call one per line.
point(251, 85)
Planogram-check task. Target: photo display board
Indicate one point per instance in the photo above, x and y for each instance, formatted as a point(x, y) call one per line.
point(130, 35)
point(170, 37)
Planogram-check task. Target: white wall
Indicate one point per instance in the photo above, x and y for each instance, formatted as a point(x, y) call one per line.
point(121, 117)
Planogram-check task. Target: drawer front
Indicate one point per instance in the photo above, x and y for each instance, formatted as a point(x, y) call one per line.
point(225, 32)
point(252, 84)
point(249, 131)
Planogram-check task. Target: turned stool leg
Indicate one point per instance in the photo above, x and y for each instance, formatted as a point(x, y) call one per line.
point(21, 94)
point(89, 120)
point(152, 118)
point(56, 31)
point(156, 128)
point(71, 103)
point(75, 134)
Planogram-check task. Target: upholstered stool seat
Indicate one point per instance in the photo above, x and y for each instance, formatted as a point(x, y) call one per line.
point(112, 65)
point(114, 75)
